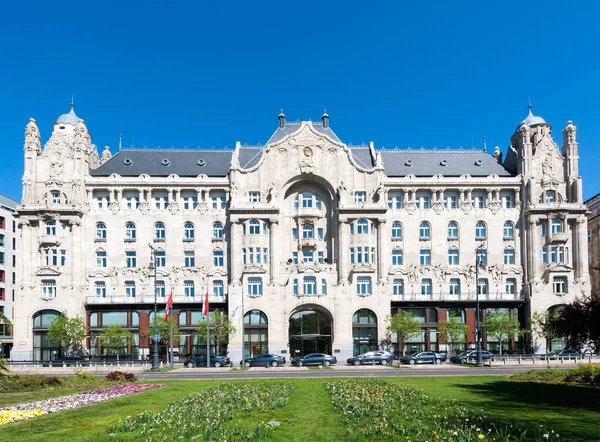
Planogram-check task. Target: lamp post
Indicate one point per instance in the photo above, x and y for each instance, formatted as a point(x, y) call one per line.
point(155, 364)
point(479, 361)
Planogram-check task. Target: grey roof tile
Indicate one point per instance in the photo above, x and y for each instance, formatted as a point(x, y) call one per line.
point(250, 156)
point(165, 162)
point(8, 202)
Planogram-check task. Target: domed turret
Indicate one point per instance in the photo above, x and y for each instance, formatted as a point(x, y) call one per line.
point(69, 118)
point(532, 120)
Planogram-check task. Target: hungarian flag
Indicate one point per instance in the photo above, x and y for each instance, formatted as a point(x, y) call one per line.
point(169, 306)
point(205, 305)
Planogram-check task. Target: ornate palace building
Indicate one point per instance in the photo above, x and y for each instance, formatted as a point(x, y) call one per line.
point(313, 242)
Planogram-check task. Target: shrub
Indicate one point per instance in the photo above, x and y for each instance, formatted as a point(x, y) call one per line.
point(121, 376)
point(571, 377)
point(596, 379)
point(54, 381)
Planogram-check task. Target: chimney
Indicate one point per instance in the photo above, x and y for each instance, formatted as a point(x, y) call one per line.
point(281, 119)
point(325, 119)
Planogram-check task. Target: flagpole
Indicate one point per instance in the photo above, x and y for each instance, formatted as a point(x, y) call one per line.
point(207, 331)
point(172, 365)
point(243, 354)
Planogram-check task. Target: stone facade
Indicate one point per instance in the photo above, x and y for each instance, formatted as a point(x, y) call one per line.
point(315, 240)
point(593, 205)
point(9, 246)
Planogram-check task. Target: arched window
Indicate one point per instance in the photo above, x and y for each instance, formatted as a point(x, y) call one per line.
point(51, 228)
point(452, 230)
point(424, 231)
point(480, 230)
point(44, 349)
point(159, 231)
point(254, 227)
point(130, 231)
point(362, 227)
point(188, 231)
point(218, 231)
point(396, 230)
point(509, 230)
point(101, 231)
point(364, 331)
point(556, 226)
point(307, 231)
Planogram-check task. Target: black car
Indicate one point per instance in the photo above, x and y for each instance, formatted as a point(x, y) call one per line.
point(566, 353)
point(424, 357)
point(370, 358)
point(315, 359)
point(471, 356)
point(264, 360)
point(200, 361)
point(69, 361)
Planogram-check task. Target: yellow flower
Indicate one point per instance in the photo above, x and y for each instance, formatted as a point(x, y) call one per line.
point(480, 436)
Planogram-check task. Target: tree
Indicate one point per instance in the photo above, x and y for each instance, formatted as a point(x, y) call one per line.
point(405, 326)
point(453, 331)
point(502, 327)
point(163, 328)
point(114, 337)
point(4, 320)
point(578, 323)
point(220, 328)
point(69, 332)
point(540, 326)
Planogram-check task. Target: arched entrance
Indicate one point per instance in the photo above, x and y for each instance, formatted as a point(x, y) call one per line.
point(44, 349)
point(364, 331)
point(310, 331)
point(256, 333)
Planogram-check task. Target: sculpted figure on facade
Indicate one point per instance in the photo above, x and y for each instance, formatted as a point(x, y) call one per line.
point(56, 166)
point(341, 191)
point(273, 193)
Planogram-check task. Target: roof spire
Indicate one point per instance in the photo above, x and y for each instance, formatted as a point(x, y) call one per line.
point(281, 119)
point(529, 105)
point(484, 144)
point(72, 102)
point(325, 119)
point(120, 141)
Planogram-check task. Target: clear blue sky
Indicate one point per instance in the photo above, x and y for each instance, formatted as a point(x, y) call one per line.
point(213, 73)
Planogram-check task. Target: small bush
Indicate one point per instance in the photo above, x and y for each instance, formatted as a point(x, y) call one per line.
point(121, 376)
point(54, 381)
point(571, 377)
point(596, 379)
point(83, 375)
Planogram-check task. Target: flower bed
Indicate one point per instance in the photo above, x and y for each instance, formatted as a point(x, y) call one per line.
point(208, 415)
point(379, 409)
point(29, 410)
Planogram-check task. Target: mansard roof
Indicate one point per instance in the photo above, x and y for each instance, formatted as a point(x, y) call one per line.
point(430, 162)
point(164, 162)
point(8, 203)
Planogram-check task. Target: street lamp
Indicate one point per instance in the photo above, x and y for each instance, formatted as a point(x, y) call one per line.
point(479, 361)
point(155, 364)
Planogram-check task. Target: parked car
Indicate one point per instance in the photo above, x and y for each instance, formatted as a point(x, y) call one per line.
point(371, 357)
point(566, 353)
point(200, 361)
point(469, 355)
point(315, 359)
point(424, 357)
point(69, 361)
point(264, 360)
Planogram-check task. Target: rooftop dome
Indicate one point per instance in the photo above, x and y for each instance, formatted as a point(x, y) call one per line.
point(69, 118)
point(532, 120)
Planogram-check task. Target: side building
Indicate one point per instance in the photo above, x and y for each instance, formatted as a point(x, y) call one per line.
point(9, 246)
point(593, 237)
point(313, 243)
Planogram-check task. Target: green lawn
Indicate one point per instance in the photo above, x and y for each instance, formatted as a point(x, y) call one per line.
point(571, 410)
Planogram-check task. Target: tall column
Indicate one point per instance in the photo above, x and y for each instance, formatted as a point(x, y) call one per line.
point(236, 245)
point(343, 251)
point(273, 249)
point(27, 259)
point(381, 235)
point(581, 242)
point(462, 196)
point(535, 248)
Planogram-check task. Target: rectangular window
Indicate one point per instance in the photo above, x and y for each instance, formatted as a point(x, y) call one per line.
point(453, 257)
point(161, 259)
point(545, 255)
point(189, 259)
point(100, 259)
point(189, 291)
point(394, 200)
point(398, 287)
point(63, 257)
point(48, 288)
point(130, 289)
point(559, 285)
point(507, 201)
point(426, 287)
point(589, 236)
point(294, 257)
point(511, 286)
point(218, 258)
point(323, 286)
point(218, 200)
point(360, 197)
point(509, 256)
point(544, 229)
point(307, 256)
point(363, 285)
point(451, 202)
point(190, 200)
point(481, 257)
point(160, 289)
point(255, 286)
point(397, 257)
point(218, 288)
point(130, 259)
point(320, 234)
point(425, 257)
point(352, 260)
point(100, 289)
point(309, 285)
point(422, 202)
point(160, 199)
point(320, 257)
point(295, 286)
point(55, 197)
point(454, 286)
point(265, 255)
point(132, 202)
point(254, 197)
point(482, 286)
point(295, 234)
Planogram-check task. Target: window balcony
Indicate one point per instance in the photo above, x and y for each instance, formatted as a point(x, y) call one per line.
point(310, 243)
point(308, 212)
point(558, 237)
point(50, 240)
